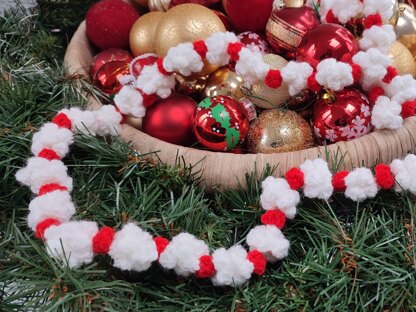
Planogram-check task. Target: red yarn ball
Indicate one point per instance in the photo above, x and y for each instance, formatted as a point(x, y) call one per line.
point(44, 225)
point(206, 267)
point(338, 181)
point(161, 244)
point(109, 22)
point(384, 176)
point(48, 154)
point(62, 121)
point(51, 187)
point(259, 261)
point(101, 242)
point(295, 178)
point(274, 217)
point(408, 109)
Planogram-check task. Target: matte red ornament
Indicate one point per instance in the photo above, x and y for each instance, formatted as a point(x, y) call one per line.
point(170, 120)
point(286, 28)
point(327, 41)
point(254, 42)
point(342, 116)
point(248, 15)
point(221, 123)
point(136, 66)
point(109, 22)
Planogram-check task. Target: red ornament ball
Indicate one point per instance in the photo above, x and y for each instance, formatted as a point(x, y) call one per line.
point(136, 66)
point(170, 120)
point(287, 27)
point(107, 56)
point(254, 42)
point(248, 15)
point(109, 22)
point(221, 123)
point(225, 20)
point(342, 117)
point(327, 41)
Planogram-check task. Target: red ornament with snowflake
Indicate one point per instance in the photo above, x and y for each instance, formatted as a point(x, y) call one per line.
point(341, 116)
point(221, 123)
point(254, 42)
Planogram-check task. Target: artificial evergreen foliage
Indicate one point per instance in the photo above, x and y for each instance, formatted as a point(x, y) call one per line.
point(344, 256)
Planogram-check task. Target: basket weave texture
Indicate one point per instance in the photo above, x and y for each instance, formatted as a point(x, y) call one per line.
point(226, 170)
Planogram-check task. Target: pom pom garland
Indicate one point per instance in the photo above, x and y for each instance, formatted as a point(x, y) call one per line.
point(132, 248)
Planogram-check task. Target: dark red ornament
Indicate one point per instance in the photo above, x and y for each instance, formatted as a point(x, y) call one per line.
point(342, 116)
point(170, 120)
point(225, 20)
point(287, 27)
point(248, 15)
point(109, 22)
point(254, 42)
point(136, 66)
point(221, 123)
point(327, 41)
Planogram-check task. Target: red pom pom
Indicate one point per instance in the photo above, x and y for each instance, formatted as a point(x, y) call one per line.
point(330, 17)
point(313, 84)
point(391, 73)
point(149, 99)
point(48, 154)
point(109, 23)
point(356, 72)
point(44, 225)
point(201, 48)
point(338, 181)
point(206, 267)
point(160, 67)
point(62, 121)
point(259, 261)
point(47, 188)
point(273, 79)
point(123, 117)
point(101, 242)
point(375, 93)
point(274, 217)
point(384, 177)
point(161, 244)
point(295, 178)
point(408, 109)
point(373, 19)
point(234, 49)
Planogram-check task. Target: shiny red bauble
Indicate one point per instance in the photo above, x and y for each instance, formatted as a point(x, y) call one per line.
point(254, 42)
point(327, 41)
point(141, 61)
point(287, 27)
point(107, 67)
point(109, 22)
point(170, 120)
point(248, 15)
point(343, 116)
point(221, 123)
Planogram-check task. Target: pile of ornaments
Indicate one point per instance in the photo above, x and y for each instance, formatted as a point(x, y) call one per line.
point(215, 108)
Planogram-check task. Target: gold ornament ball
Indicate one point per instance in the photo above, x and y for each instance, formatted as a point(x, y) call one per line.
point(395, 5)
point(193, 88)
point(402, 59)
point(409, 41)
point(224, 82)
point(406, 21)
point(187, 23)
point(276, 131)
point(264, 97)
point(142, 34)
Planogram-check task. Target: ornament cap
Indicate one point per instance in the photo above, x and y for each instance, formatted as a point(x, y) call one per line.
point(249, 107)
point(159, 5)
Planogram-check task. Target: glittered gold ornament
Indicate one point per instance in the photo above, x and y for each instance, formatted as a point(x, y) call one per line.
point(406, 22)
point(265, 97)
point(409, 41)
point(187, 23)
point(402, 59)
point(188, 87)
point(142, 34)
point(277, 131)
point(223, 82)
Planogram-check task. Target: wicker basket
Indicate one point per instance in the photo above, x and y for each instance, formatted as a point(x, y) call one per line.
point(225, 170)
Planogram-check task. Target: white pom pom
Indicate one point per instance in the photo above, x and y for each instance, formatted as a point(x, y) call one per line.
point(183, 59)
point(108, 120)
point(278, 194)
point(382, 7)
point(334, 75)
point(40, 171)
point(345, 10)
point(130, 102)
point(56, 205)
point(217, 45)
point(133, 249)
point(317, 178)
point(401, 89)
point(151, 81)
point(81, 121)
point(270, 241)
point(52, 137)
point(378, 37)
point(373, 65)
point(360, 185)
point(405, 173)
point(232, 266)
point(296, 76)
point(71, 241)
point(386, 114)
point(251, 66)
point(183, 253)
